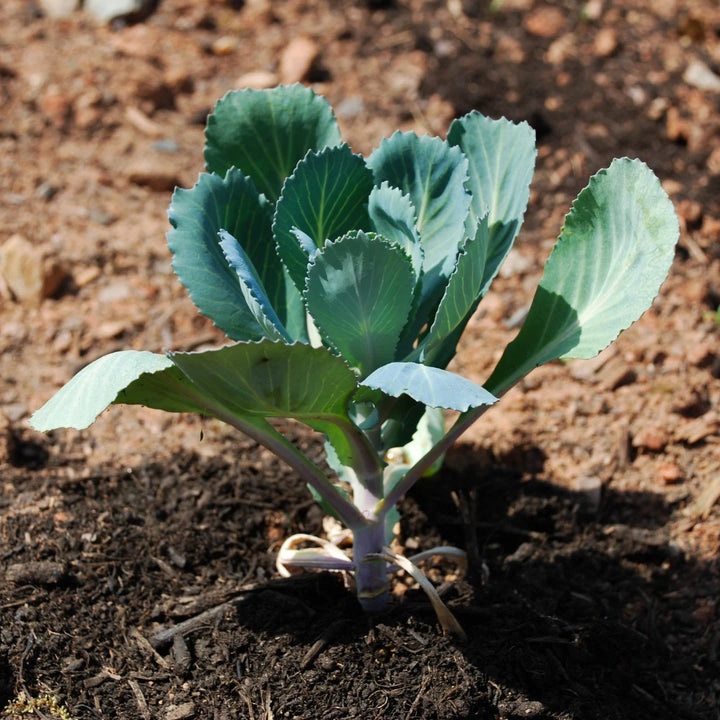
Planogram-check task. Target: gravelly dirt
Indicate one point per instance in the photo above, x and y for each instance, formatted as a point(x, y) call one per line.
point(146, 521)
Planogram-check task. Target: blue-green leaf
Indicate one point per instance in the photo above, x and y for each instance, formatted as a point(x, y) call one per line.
point(129, 377)
point(429, 385)
point(459, 301)
point(252, 288)
point(325, 197)
point(359, 293)
point(613, 254)
point(271, 379)
point(433, 174)
point(197, 215)
point(266, 132)
point(393, 216)
point(502, 159)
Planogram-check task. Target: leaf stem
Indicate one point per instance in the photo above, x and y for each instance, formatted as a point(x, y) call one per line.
point(262, 432)
point(463, 422)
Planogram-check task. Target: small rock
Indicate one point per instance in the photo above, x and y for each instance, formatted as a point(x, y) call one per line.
point(690, 211)
point(657, 108)
point(545, 22)
point(59, 8)
point(110, 329)
point(508, 49)
point(166, 145)
point(30, 274)
point(110, 10)
point(180, 712)
point(150, 176)
point(561, 50)
point(225, 45)
point(350, 107)
point(116, 292)
point(516, 264)
point(297, 60)
point(46, 191)
point(593, 10)
point(699, 75)
point(605, 42)
point(710, 227)
point(139, 41)
point(651, 438)
point(56, 106)
point(713, 161)
point(670, 473)
point(257, 80)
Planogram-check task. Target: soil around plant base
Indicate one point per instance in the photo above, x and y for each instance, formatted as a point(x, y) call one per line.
point(137, 575)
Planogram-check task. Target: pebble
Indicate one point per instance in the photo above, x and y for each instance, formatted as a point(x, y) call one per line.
point(650, 438)
point(350, 107)
point(670, 473)
point(297, 59)
point(56, 106)
point(30, 273)
point(605, 42)
point(109, 10)
point(225, 45)
point(59, 8)
point(593, 10)
point(110, 329)
point(699, 75)
point(545, 22)
point(257, 80)
point(508, 49)
point(166, 145)
point(150, 176)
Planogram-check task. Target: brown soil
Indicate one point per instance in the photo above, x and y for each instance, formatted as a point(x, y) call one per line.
point(147, 520)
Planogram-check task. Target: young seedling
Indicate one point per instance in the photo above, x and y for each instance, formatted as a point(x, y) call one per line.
point(345, 284)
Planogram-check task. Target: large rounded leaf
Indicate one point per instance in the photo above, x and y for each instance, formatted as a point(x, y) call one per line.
point(272, 379)
point(359, 293)
point(433, 174)
point(129, 377)
point(324, 198)
point(502, 159)
point(266, 132)
point(613, 254)
point(197, 215)
point(429, 385)
point(460, 300)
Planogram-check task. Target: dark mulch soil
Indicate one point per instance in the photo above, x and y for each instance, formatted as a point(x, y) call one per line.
point(580, 616)
point(137, 559)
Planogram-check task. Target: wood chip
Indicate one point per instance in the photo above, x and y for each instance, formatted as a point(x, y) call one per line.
point(39, 572)
point(140, 699)
point(706, 500)
point(297, 60)
point(140, 121)
point(699, 429)
point(179, 712)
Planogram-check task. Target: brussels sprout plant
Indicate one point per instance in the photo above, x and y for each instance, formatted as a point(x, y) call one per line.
point(345, 282)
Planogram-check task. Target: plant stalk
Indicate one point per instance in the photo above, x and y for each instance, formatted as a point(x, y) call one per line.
point(371, 568)
point(426, 461)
